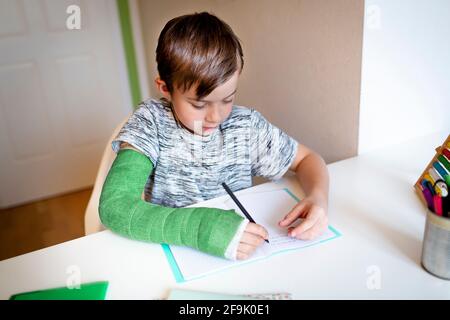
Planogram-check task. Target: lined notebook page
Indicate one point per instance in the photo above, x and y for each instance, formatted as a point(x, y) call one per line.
point(266, 208)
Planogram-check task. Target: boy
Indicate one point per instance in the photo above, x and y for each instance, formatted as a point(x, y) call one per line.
point(179, 150)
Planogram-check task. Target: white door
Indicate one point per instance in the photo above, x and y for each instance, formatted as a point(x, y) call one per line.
point(62, 92)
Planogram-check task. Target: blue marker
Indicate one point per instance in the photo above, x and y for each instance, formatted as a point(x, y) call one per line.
point(440, 169)
point(428, 185)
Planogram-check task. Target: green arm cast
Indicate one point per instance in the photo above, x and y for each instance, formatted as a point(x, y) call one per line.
point(123, 211)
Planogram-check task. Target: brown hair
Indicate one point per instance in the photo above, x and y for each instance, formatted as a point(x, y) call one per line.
point(197, 49)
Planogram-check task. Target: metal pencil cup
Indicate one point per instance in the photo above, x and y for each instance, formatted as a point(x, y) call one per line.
point(436, 246)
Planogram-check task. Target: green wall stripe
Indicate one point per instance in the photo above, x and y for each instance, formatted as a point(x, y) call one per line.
point(130, 52)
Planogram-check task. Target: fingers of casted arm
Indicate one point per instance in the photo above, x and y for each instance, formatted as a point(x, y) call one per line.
point(244, 251)
point(242, 255)
point(251, 239)
point(257, 230)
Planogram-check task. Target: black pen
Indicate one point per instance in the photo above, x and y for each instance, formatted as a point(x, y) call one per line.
point(249, 217)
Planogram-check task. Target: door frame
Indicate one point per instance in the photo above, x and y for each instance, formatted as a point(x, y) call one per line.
point(133, 50)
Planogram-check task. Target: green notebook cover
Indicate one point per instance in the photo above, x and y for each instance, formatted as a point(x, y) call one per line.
point(87, 291)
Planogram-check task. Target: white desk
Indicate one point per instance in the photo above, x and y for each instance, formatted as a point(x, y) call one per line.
point(372, 202)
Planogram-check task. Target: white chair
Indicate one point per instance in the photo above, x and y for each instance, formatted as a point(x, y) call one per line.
point(92, 223)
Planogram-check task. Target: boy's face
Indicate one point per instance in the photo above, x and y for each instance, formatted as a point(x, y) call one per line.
point(204, 116)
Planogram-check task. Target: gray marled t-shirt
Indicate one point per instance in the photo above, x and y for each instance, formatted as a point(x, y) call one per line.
point(189, 168)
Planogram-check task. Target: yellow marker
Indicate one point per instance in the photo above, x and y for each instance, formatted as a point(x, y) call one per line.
point(438, 190)
point(441, 188)
point(428, 177)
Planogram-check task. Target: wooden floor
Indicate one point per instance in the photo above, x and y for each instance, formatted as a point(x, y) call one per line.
point(42, 224)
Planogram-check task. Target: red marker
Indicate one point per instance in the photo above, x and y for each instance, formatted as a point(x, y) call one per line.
point(437, 204)
point(446, 152)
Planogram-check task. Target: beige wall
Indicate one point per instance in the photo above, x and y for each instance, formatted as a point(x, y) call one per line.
point(302, 63)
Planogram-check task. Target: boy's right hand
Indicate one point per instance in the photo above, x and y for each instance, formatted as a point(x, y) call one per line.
point(253, 236)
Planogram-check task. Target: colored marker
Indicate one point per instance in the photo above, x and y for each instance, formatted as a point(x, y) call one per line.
point(446, 206)
point(443, 160)
point(437, 202)
point(433, 173)
point(442, 172)
point(428, 185)
point(428, 198)
point(446, 152)
point(441, 188)
point(428, 177)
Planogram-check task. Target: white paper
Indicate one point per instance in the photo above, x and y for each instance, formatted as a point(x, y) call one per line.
point(266, 208)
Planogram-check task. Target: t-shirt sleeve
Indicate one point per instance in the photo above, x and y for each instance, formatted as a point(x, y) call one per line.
point(140, 131)
point(272, 151)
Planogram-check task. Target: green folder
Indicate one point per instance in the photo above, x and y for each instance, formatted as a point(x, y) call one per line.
point(87, 291)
